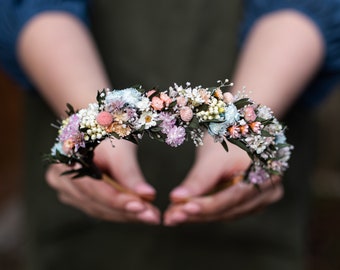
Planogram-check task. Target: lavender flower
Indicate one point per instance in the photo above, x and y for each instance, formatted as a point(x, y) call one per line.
point(168, 122)
point(258, 176)
point(175, 136)
point(71, 133)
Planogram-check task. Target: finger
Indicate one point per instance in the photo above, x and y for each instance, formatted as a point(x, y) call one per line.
point(132, 211)
point(103, 194)
point(121, 162)
point(61, 183)
point(101, 212)
point(231, 197)
point(246, 208)
point(238, 200)
point(174, 215)
point(212, 164)
point(98, 199)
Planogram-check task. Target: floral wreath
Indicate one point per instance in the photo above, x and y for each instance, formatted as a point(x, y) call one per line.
point(174, 116)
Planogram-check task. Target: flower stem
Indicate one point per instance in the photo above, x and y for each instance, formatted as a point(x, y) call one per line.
point(117, 186)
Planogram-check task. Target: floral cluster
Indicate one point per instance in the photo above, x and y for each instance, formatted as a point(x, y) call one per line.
point(174, 116)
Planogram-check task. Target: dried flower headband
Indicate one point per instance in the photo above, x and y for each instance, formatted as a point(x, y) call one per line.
point(173, 116)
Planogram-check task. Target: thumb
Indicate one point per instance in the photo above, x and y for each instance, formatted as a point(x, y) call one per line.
point(201, 179)
point(120, 162)
point(213, 164)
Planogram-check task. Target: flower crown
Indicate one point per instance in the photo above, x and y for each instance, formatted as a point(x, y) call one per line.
point(174, 116)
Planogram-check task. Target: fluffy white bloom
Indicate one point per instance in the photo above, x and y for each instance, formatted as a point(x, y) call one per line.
point(258, 143)
point(147, 119)
point(143, 104)
point(264, 112)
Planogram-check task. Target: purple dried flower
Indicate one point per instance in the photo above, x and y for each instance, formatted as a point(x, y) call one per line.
point(70, 135)
point(176, 136)
point(168, 122)
point(258, 176)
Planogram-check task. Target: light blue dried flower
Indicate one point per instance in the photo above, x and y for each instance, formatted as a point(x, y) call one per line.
point(217, 129)
point(231, 115)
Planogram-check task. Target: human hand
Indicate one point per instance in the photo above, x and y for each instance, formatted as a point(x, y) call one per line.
point(100, 200)
point(193, 200)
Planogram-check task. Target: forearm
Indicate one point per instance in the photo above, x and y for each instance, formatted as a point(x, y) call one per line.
point(280, 56)
point(57, 52)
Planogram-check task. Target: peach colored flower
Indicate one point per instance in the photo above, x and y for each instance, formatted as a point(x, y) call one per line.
point(249, 114)
point(121, 129)
point(255, 126)
point(104, 118)
point(234, 131)
point(167, 100)
point(186, 114)
point(157, 103)
point(68, 146)
point(244, 129)
point(218, 93)
point(121, 117)
point(181, 101)
point(228, 97)
point(150, 92)
point(205, 95)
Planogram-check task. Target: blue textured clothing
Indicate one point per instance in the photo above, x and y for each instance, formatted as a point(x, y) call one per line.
point(14, 14)
point(326, 16)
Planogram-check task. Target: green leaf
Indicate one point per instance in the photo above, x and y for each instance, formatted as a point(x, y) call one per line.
point(70, 110)
point(264, 122)
point(172, 104)
point(225, 145)
point(211, 90)
point(239, 144)
point(155, 129)
point(265, 133)
point(100, 99)
point(242, 102)
point(194, 123)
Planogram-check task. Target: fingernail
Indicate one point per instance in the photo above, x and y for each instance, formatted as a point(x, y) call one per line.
point(192, 208)
point(149, 217)
point(178, 217)
point(145, 189)
point(134, 206)
point(175, 218)
point(180, 193)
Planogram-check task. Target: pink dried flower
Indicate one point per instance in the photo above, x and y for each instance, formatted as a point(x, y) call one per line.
point(249, 114)
point(157, 103)
point(167, 100)
point(228, 97)
point(186, 114)
point(205, 95)
point(181, 101)
point(150, 92)
point(104, 118)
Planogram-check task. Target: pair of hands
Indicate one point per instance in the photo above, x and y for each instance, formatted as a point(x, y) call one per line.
point(192, 201)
